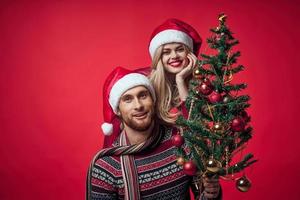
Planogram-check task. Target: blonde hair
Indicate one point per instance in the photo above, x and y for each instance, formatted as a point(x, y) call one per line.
point(165, 88)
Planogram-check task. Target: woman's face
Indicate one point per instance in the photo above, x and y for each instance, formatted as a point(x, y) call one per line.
point(174, 57)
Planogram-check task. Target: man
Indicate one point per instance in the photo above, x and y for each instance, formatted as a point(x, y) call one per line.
point(141, 164)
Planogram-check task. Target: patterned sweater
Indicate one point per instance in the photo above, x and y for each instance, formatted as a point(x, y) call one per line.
point(160, 177)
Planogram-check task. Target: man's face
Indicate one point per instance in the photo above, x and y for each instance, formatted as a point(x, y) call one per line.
point(136, 108)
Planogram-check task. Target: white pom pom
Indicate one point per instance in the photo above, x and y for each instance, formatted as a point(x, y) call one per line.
point(107, 128)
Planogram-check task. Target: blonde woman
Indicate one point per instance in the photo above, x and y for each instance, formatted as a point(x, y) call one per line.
point(173, 48)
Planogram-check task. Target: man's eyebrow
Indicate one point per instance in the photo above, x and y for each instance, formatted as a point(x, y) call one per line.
point(126, 95)
point(144, 91)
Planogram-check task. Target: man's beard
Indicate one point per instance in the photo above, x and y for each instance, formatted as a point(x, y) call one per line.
point(138, 126)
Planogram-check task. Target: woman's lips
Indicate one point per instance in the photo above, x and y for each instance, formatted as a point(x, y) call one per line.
point(176, 63)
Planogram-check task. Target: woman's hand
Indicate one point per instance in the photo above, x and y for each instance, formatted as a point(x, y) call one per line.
point(211, 187)
point(185, 72)
point(181, 76)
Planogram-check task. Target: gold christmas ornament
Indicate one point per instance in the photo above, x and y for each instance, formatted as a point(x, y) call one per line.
point(180, 161)
point(213, 165)
point(197, 73)
point(243, 184)
point(227, 98)
point(217, 126)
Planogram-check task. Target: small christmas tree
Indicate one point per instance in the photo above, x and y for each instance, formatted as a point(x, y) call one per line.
point(218, 126)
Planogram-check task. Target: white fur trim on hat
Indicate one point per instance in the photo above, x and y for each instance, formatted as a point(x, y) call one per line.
point(107, 128)
point(125, 83)
point(169, 36)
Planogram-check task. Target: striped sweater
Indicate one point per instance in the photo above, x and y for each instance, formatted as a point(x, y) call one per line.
point(160, 177)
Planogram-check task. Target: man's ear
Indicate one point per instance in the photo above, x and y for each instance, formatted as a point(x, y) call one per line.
point(118, 113)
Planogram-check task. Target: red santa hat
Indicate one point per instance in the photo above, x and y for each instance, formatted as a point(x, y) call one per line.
point(119, 81)
point(174, 30)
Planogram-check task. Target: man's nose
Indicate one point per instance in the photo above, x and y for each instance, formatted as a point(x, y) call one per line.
point(138, 105)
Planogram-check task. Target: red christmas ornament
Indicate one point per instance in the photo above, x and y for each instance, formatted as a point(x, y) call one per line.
point(174, 110)
point(190, 168)
point(238, 124)
point(245, 116)
point(215, 97)
point(206, 87)
point(177, 140)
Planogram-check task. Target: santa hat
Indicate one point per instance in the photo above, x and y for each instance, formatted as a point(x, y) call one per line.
point(119, 81)
point(174, 30)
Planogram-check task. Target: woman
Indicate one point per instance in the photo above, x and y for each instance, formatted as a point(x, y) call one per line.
point(172, 47)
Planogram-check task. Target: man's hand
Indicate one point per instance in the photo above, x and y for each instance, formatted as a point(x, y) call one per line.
point(211, 187)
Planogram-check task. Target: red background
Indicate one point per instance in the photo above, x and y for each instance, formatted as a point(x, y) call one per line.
point(54, 57)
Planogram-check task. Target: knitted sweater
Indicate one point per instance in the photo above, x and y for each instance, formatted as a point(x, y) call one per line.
point(160, 177)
